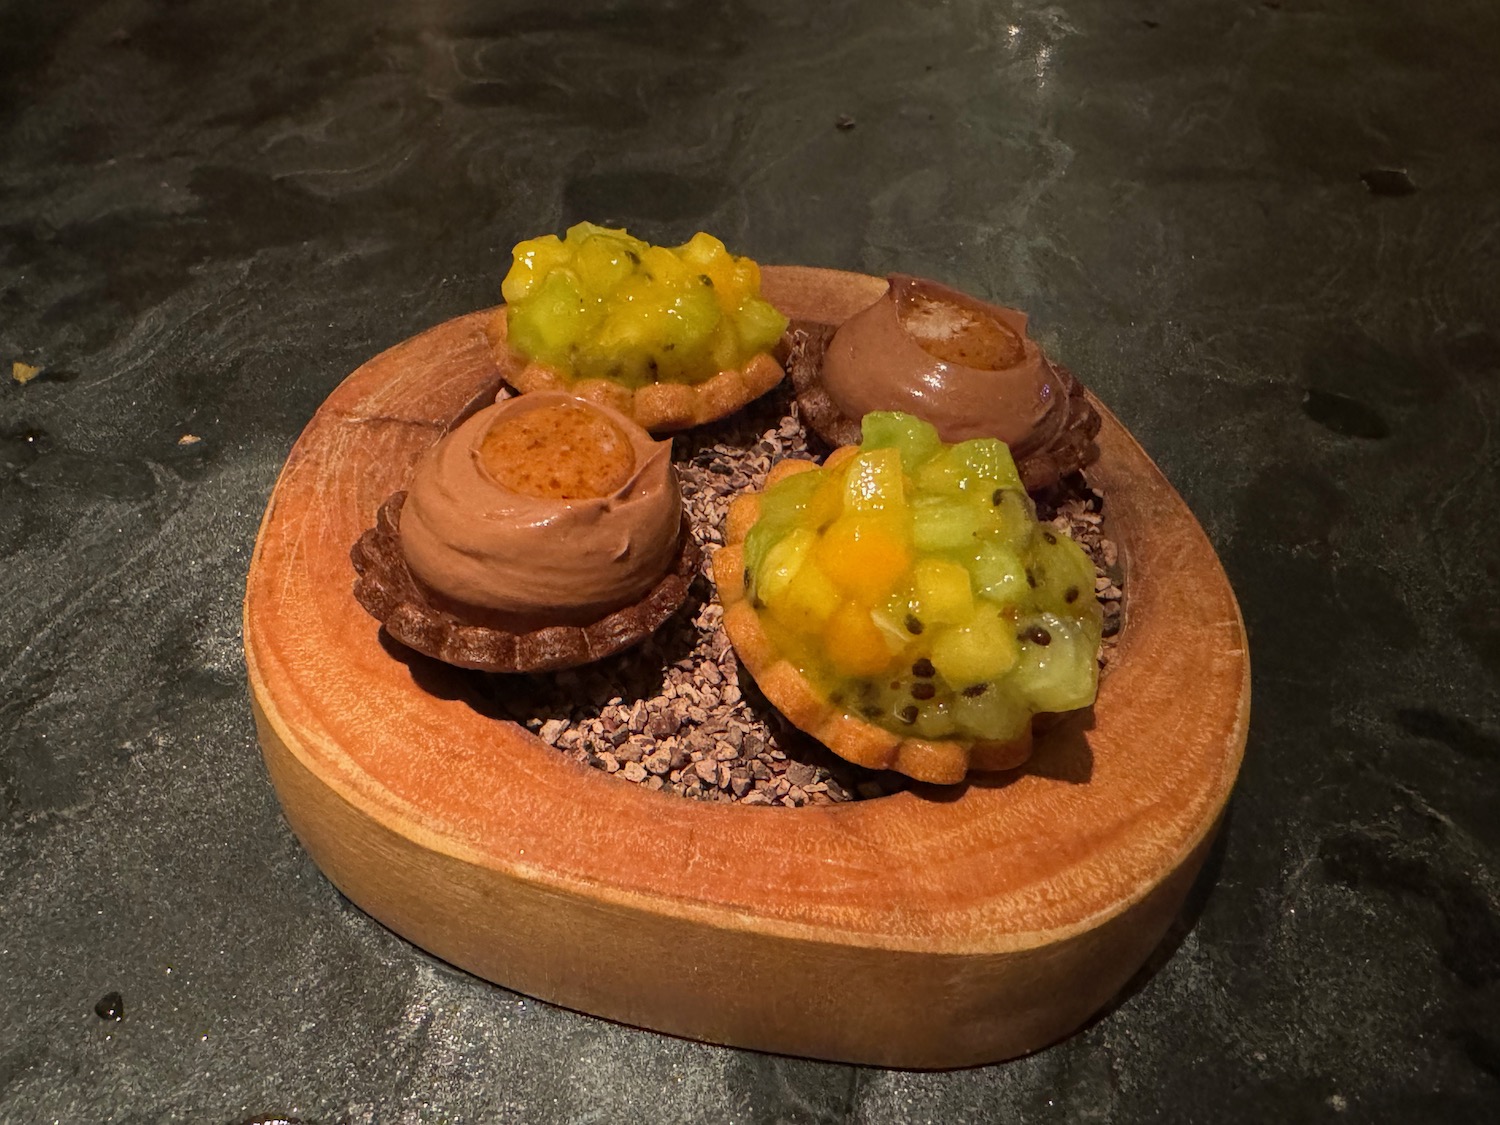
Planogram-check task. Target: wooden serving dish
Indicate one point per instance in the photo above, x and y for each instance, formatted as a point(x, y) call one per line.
point(932, 928)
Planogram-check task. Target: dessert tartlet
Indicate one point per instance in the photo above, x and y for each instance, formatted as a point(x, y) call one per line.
point(672, 337)
point(966, 366)
point(542, 533)
point(902, 605)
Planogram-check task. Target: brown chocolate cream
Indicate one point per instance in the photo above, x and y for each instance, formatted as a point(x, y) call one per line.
point(542, 510)
point(964, 365)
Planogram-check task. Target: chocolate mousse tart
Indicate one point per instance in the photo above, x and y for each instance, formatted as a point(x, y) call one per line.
point(542, 533)
point(962, 364)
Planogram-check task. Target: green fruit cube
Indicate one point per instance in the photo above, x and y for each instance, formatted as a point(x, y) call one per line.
point(948, 524)
point(1064, 575)
point(888, 429)
point(988, 460)
point(1000, 575)
point(553, 319)
point(1058, 668)
point(759, 325)
point(990, 710)
point(781, 562)
point(975, 653)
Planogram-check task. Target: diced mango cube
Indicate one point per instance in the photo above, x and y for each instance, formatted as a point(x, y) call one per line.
point(664, 267)
point(866, 556)
point(703, 249)
point(601, 264)
point(941, 592)
point(531, 261)
point(874, 482)
point(854, 644)
point(807, 601)
point(746, 279)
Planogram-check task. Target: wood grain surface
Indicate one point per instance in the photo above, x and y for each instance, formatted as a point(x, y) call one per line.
point(933, 928)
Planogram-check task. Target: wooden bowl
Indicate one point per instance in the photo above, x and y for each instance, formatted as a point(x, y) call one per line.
point(933, 928)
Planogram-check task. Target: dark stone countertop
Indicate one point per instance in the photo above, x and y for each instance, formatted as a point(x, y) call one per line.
point(211, 212)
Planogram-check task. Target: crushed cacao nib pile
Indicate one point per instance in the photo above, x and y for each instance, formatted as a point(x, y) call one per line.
point(675, 713)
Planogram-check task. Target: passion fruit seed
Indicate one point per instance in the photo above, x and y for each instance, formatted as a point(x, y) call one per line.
point(898, 574)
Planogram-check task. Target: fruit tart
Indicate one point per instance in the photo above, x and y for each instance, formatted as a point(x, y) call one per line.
point(903, 605)
point(964, 365)
point(670, 336)
point(542, 533)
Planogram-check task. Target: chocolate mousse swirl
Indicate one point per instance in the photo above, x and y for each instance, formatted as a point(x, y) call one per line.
point(964, 365)
point(493, 553)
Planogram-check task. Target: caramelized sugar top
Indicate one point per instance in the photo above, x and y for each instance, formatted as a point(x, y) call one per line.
point(956, 334)
point(565, 451)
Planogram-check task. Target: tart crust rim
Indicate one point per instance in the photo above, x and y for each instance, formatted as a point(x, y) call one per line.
point(659, 408)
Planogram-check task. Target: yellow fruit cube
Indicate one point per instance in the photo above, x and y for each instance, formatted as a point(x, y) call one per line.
point(806, 602)
point(531, 261)
point(977, 652)
point(874, 482)
point(782, 561)
point(826, 503)
point(601, 264)
point(855, 646)
point(866, 556)
point(701, 250)
point(941, 592)
point(724, 346)
point(664, 267)
point(746, 281)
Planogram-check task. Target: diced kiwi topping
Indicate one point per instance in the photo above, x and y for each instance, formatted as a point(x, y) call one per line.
point(914, 583)
point(601, 304)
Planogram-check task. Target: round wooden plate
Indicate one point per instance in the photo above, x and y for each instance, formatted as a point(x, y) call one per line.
point(932, 928)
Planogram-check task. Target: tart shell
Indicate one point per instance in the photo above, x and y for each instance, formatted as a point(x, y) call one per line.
point(942, 761)
point(659, 407)
point(391, 595)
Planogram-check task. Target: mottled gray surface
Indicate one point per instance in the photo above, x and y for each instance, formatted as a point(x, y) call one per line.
point(210, 212)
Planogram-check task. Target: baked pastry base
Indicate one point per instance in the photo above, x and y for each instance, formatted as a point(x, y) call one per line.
point(659, 407)
point(386, 589)
point(931, 928)
point(942, 761)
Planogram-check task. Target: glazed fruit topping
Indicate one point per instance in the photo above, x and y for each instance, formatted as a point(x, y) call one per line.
point(600, 303)
point(912, 583)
